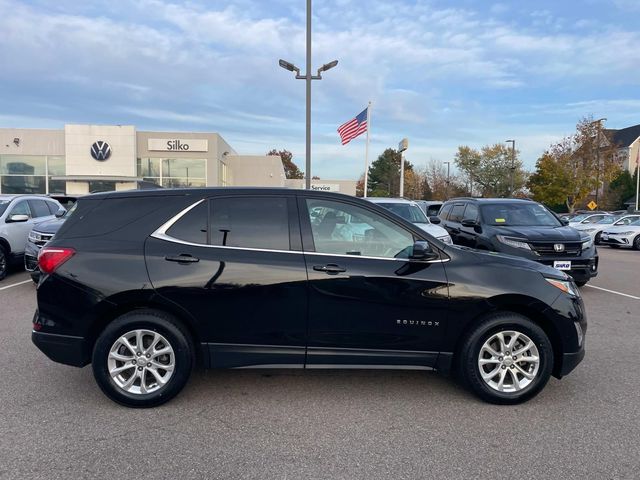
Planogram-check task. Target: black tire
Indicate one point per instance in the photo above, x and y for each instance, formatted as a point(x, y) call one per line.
point(597, 239)
point(581, 284)
point(469, 370)
point(636, 243)
point(154, 321)
point(4, 264)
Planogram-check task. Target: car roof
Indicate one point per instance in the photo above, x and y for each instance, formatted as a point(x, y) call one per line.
point(389, 200)
point(12, 196)
point(492, 200)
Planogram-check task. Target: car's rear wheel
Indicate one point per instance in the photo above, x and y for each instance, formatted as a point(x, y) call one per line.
point(636, 243)
point(143, 359)
point(3, 263)
point(581, 284)
point(506, 359)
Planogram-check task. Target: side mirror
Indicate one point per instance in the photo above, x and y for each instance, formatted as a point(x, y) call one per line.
point(469, 223)
point(17, 218)
point(422, 251)
point(564, 222)
point(61, 213)
point(435, 219)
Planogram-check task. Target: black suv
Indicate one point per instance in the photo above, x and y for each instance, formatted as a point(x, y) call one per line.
point(145, 285)
point(524, 228)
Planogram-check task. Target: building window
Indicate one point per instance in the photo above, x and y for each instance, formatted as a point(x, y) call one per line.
point(173, 172)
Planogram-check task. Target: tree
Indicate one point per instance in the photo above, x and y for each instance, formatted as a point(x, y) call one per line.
point(491, 170)
point(384, 175)
point(571, 169)
point(291, 170)
point(621, 189)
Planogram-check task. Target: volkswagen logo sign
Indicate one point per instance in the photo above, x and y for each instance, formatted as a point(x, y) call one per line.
point(100, 150)
point(558, 247)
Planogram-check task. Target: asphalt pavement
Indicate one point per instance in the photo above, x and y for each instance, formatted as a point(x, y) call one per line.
point(55, 423)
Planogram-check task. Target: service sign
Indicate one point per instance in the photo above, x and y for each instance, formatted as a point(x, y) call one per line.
point(177, 145)
point(325, 187)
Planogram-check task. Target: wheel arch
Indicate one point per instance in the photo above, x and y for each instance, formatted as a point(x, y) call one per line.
point(109, 311)
point(528, 307)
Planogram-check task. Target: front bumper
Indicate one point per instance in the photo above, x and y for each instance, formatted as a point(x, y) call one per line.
point(622, 241)
point(31, 257)
point(582, 269)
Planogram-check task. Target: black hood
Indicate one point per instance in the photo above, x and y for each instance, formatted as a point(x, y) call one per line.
point(50, 226)
point(485, 256)
point(540, 233)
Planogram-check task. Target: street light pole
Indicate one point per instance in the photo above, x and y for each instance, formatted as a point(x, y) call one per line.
point(402, 146)
point(307, 77)
point(446, 190)
point(513, 165)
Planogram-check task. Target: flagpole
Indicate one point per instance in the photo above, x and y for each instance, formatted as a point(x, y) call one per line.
point(366, 153)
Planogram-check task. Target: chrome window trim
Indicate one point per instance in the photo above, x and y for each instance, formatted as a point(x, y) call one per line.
point(161, 234)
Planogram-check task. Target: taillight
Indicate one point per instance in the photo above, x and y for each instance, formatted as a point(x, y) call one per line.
point(49, 259)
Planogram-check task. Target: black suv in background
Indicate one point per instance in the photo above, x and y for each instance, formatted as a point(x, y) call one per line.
point(521, 227)
point(144, 285)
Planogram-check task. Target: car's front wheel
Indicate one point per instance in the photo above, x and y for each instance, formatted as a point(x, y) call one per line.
point(3, 263)
point(506, 359)
point(598, 238)
point(143, 359)
point(636, 243)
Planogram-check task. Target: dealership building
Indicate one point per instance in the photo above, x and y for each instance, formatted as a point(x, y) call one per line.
point(81, 159)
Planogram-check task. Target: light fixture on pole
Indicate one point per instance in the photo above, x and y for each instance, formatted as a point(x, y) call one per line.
point(308, 77)
point(402, 146)
point(513, 165)
point(446, 191)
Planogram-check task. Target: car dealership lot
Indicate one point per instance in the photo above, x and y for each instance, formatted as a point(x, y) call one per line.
point(329, 424)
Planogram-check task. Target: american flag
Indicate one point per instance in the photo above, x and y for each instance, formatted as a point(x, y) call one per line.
point(354, 127)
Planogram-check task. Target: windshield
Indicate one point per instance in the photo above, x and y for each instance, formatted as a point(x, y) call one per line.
point(579, 218)
point(520, 215)
point(4, 203)
point(412, 213)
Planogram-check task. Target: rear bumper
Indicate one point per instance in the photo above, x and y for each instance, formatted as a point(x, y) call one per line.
point(62, 348)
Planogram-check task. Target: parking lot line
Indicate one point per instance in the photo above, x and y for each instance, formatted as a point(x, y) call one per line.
point(613, 291)
point(15, 284)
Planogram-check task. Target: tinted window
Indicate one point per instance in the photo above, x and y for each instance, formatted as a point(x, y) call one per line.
point(39, 208)
point(433, 210)
point(444, 213)
point(341, 228)
point(53, 208)
point(456, 213)
point(3, 205)
point(253, 222)
point(21, 208)
point(192, 227)
point(471, 212)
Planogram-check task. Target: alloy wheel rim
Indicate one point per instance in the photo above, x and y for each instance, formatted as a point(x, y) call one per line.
point(509, 361)
point(141, 362)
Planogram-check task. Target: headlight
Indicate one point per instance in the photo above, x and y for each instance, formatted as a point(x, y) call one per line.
point(567, 286)
point(514, 242)
point(587, 243)
point(587, 230)
point(623, 233)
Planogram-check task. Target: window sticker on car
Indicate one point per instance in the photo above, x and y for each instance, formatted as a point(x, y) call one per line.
point(500, 220)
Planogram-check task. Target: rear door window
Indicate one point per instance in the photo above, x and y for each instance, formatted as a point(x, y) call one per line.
point(192, 226)
point(251, 222)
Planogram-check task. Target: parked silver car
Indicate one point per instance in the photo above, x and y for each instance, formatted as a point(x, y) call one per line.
point(595, 229)
point(18, 215)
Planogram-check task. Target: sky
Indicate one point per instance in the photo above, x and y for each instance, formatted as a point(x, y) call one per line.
point(440, 73)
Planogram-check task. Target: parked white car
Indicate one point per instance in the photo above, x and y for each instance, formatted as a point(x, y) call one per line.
point(595, 229)
point(410, 211)
point(625, 236)
point(587, 219)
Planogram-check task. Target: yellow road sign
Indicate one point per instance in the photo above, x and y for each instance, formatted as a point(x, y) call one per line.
point(592, 205)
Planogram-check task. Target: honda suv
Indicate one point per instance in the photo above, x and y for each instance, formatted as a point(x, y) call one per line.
point(523, 228)
point(145, 285)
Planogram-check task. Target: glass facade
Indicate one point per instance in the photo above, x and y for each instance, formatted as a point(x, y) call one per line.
point(173, 172)
point(31, 173)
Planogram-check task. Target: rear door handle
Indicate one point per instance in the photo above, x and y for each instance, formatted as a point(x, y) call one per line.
point(330, 268)
point(184, 258)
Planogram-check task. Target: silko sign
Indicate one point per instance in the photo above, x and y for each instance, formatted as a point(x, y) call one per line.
point(177, 145)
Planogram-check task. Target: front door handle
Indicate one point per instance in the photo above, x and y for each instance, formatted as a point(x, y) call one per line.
point(330, 268)
point(184, 258)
